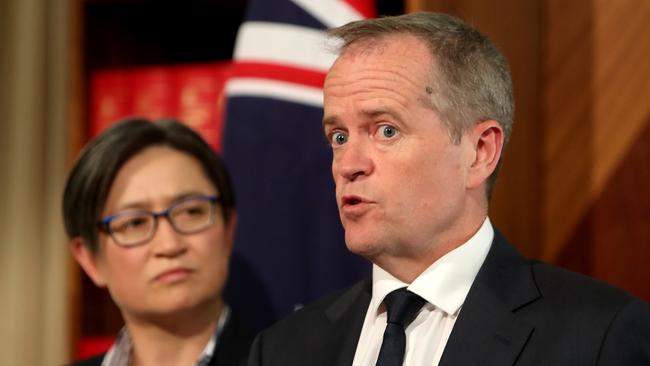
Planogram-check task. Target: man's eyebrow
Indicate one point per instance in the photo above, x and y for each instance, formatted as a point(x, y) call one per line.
point(329, 120)
point(366, 113)
point(376, 112)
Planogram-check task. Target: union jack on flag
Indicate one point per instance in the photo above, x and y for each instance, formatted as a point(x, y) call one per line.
point(289, 247)
point(280, 51)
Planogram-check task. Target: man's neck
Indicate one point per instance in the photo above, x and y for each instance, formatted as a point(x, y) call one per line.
point(409, 266)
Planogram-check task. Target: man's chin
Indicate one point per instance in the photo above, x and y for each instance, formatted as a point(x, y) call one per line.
point(365, 248)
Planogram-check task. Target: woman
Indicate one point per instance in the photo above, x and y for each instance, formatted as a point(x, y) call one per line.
point(150, 214)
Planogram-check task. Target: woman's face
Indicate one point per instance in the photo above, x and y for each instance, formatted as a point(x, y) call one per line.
point(172, 272)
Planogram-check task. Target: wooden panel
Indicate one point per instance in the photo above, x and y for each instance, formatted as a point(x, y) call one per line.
point(621, 222)
point(595, 106)
point(621, 82)
point(567, 116)
point(414, 5)
point(612, 242)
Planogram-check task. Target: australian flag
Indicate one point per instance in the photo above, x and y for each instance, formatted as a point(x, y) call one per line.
point(289, 246)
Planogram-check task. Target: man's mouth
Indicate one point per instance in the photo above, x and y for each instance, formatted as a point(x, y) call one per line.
point(354, 207)
point(351, 200)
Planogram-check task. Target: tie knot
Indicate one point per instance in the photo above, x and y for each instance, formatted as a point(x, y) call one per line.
point(402, 305)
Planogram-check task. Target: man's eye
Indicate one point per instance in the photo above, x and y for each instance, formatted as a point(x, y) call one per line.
point(387, 131)
point(339, 138)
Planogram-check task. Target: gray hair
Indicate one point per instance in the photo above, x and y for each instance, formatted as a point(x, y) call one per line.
point(472, 78)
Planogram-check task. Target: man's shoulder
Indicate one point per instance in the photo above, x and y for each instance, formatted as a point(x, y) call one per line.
point(548, 289)
point(603, 321)
point(553, 281)
point(319, 310)
point(559, 283)
point(308, 335)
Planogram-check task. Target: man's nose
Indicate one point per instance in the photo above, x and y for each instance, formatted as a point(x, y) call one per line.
point(353, 162)
point(166, 241)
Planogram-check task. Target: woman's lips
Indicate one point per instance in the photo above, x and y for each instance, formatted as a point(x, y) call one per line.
point(173, 275)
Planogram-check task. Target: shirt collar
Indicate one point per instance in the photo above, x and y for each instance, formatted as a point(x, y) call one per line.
point(208, 351)
point(446, 282)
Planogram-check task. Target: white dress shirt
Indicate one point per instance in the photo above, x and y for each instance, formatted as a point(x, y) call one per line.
point(444, 285)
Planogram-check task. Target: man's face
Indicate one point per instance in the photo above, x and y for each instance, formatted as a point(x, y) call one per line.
point(400, 181)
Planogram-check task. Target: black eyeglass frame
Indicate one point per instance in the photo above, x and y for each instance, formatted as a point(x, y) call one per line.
point(105, 223)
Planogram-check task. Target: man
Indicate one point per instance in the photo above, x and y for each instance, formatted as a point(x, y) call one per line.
point(418, 109)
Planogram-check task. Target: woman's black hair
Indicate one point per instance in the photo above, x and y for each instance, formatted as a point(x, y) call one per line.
point(92, 176)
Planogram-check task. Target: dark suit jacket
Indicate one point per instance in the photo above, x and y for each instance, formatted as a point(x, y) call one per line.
point(517, 312)
point(232, 347)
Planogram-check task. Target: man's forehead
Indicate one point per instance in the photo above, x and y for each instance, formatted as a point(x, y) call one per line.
point(403, 43)
point(367, 47)
point(409, 60)
point(401, 48)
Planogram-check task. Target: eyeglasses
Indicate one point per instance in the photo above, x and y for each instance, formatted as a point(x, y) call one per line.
point(135, 227)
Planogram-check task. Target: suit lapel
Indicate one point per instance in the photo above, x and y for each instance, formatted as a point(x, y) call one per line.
point(487, 331)
point(346, 317)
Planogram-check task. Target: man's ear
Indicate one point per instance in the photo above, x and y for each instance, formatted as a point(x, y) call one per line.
point(487, 139)
point(87, 260)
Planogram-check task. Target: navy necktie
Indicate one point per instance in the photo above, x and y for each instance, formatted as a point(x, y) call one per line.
point(402, 306)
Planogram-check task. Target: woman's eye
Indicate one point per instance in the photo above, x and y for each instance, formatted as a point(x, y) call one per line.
point(136, 222)
point(129, 224)
point(339, 138)
point(193, 211)
point(387, 131)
